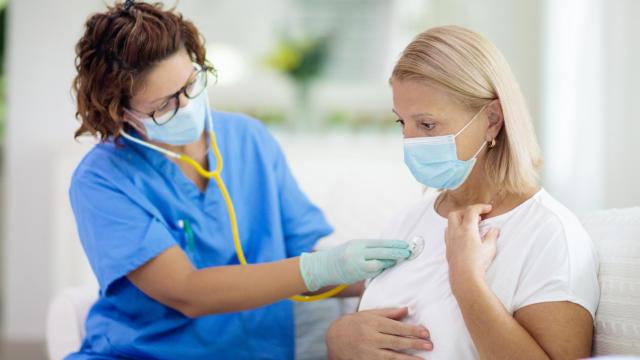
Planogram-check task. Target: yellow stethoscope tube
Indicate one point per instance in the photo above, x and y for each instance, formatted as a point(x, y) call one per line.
point(215, 175)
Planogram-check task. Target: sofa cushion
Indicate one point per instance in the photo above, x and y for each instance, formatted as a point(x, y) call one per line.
point(616, 234)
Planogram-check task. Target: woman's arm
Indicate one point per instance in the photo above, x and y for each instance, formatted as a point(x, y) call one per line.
point(172, 280)
point(556, 330)
point(353, 290)
point(540, 331)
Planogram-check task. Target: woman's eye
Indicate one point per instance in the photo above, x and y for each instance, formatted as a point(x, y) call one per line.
point(400, 121)
point(429, 126)
point(164, 106)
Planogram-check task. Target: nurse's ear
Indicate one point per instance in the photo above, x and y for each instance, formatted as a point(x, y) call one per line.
point(496, 119)
point(128, 117)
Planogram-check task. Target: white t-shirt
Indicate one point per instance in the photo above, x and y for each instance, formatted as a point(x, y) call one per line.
point(544, 254)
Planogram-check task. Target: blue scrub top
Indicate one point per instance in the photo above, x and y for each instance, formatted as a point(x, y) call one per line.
point(129, 203)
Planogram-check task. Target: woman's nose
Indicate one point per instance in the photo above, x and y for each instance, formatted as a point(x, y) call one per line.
point(184, 100)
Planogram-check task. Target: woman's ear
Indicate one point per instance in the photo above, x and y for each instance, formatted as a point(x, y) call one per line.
point(129, 118)
point(496, 119)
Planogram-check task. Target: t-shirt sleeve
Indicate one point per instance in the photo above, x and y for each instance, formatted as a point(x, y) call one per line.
point(303, 223)
point(117, 234)
point(562, 268)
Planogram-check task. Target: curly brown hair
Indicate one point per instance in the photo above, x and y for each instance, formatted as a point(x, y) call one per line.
point(117, 50)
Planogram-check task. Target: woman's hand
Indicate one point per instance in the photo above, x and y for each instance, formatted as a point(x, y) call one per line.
point(468, 252)
point(376, 334)
point(350, 262)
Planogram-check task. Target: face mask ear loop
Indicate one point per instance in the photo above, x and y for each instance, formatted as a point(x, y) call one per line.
point(484, 143)
point(135, 122)
point(470, 121)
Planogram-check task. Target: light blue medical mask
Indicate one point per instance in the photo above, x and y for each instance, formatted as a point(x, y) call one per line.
point(433, 160)
point(186, 126)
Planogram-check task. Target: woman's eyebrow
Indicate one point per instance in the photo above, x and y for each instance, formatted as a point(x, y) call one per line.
point(415, 116)
point(162, 98)
point(421, 115)
point(166, 97)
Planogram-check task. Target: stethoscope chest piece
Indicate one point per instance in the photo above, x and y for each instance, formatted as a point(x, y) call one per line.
point(416, 245)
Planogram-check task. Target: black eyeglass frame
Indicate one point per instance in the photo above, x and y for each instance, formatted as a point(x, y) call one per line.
point(201, 70)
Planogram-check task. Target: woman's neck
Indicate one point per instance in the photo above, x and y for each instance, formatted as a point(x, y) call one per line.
point(196, 150)
point(477, 189)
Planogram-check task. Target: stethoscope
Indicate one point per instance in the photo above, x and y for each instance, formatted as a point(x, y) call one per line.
point(416, 243)
point(215, 175)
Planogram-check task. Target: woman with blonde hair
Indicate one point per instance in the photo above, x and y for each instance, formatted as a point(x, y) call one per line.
point(505, 270)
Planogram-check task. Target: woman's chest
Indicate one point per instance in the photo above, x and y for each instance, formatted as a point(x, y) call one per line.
point(423, 282)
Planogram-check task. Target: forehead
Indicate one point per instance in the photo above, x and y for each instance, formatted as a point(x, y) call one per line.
point(412, 96)
point(165, 78)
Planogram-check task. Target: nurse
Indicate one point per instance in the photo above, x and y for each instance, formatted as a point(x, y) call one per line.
point(157, 233)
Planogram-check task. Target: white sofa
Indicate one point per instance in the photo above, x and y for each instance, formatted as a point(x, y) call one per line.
point(616, 234)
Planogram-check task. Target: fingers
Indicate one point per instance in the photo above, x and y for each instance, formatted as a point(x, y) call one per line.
point(397, 328)
point(386, 254)
point(491, 235)
point(390, 313)
point(388, 263)
point(471, 215)
point(373, 266)
point(379, 243)
point(401, 343)
point(392, 355)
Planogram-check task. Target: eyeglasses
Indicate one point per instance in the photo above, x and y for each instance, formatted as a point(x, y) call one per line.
point(196, 84)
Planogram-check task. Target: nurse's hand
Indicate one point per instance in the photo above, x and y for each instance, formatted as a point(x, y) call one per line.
point(469, 253)
point(376, 334)
point(350, 262)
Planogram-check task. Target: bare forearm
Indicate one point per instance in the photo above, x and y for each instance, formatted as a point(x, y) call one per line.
point(495, 333)
point(171, 279)
point(236, 288)
point(353, 290)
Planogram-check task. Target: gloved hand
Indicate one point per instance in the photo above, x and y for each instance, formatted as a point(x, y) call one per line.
point(353, 261)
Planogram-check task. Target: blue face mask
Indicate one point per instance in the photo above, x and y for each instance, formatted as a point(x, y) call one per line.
point(186, 127)
point(434, 162)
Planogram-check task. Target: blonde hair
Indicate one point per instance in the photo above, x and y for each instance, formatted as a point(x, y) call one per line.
point(474, 70)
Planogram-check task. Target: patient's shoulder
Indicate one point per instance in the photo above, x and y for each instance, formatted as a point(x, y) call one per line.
point(552, 217)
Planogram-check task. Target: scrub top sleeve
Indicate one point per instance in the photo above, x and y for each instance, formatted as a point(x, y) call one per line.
point(117, 234)
point(303, 223)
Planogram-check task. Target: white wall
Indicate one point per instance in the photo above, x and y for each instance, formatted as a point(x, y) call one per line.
point(620, 122)
point(42, 35)
point(573, 102)
point(590, 95)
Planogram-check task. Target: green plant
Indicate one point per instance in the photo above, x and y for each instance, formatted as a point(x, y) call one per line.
point(302, 60)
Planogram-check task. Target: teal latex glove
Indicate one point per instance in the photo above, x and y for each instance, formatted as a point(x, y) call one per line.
point(353, 261)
